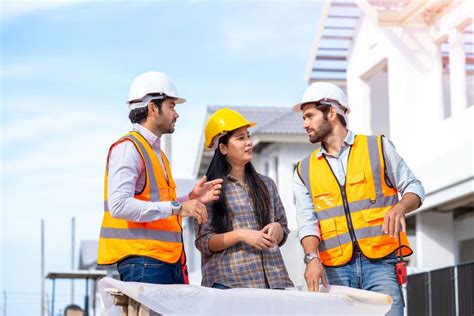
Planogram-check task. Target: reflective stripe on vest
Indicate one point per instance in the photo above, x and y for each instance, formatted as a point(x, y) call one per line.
point(154, 191)
point(368, 197)
point(160, 239)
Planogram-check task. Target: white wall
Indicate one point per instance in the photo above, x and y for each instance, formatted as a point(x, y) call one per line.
point(413, 79)
point(463, 230)
point(379, 106)
point(435, 239)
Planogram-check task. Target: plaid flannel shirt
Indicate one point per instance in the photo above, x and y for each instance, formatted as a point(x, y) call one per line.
point(242, 265)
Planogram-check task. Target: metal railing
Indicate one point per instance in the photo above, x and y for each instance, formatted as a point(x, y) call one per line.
point(447, 291)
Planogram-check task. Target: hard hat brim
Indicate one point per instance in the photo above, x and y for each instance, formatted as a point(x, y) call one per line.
point(215, 140)
point(298, 107)
point(179, 100)
point(148, 99)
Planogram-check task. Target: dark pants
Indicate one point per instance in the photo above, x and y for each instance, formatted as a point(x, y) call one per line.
point(149, 270)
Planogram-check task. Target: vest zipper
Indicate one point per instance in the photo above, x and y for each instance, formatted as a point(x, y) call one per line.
point(347, 213)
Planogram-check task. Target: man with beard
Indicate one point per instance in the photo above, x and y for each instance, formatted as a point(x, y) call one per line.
point(141, 228)
point(351, 222)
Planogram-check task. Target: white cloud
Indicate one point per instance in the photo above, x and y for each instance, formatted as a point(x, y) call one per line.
point(13, 8)
point(44, 125)
point(55, 147)
point(62, 69)
point(53, 65)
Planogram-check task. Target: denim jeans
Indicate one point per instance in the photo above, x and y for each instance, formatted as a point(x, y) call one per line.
point(149, 270)
point(372, 275)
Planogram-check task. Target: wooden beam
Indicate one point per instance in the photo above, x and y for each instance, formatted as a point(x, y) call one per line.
point(328, 70)
point(338, 49)
point(336, 37)
point(343, 4)
point(346, 28)
point(337, 16)
point(329, 57)
point(317, 39)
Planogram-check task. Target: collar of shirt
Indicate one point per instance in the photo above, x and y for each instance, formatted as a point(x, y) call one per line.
point(149, 136)
point(234, 180)
point(348, 141)
point(231, 178)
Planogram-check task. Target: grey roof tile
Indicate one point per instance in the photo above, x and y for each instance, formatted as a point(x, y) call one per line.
point(270, 120)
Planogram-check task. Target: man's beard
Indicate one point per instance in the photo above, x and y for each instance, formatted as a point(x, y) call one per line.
point(322, 133)
point(170, 129)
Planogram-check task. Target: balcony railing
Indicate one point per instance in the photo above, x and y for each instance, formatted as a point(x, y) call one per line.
point(447, 291)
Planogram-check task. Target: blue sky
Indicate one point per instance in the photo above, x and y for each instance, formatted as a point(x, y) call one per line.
point(66, 67)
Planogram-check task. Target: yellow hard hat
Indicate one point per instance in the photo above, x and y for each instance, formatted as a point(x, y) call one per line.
point(223, 121)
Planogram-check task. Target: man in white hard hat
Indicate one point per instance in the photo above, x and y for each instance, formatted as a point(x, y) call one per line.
point(351, 222)
point(142, 224)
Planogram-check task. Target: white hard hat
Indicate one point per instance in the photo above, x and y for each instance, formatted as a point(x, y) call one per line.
point(324, 91)
point(152, 82)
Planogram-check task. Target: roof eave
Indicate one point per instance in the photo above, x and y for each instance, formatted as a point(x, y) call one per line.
point(279, 138)
point(317, 39)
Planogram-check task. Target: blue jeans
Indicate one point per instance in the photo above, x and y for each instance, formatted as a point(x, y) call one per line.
point(220, 286)
point(149, 270)
point(372, 275)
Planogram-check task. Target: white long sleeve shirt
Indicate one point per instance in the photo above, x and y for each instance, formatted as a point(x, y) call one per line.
point(126, 177)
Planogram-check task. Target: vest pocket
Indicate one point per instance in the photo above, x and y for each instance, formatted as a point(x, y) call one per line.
point(323, 200)
point(358, 185)
point(373, 215)
point(330, 246)
point(382, 240)
point(328, 225)
point(374, 218)
point(357, 177)
point(328, 229)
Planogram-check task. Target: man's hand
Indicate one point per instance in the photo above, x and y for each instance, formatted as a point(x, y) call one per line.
point(257, 239)
point(393, 219)
point(274, 230)
point(206, 192)
point(313, 273)
point(194, 208)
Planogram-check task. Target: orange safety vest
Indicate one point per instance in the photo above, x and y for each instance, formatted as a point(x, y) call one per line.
point(353, 212)
point(161, 239)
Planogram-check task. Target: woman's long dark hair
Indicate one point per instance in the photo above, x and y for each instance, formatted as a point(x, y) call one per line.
point(258, 192)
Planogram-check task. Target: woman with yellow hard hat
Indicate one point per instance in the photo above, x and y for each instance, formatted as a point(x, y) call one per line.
point(240, 240)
